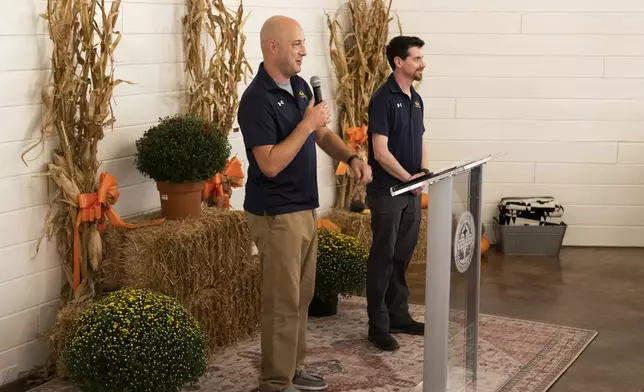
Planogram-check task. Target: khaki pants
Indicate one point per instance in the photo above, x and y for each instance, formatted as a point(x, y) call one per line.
point(287, 247)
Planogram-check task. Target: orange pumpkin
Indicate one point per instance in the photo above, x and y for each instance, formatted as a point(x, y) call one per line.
point(485, 244)
point(327, 224)
point(424, 200)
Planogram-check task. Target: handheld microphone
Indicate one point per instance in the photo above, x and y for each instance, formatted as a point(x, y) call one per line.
point(316, 83)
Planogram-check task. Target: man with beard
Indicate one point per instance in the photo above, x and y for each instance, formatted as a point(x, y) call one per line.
point(396, 154)
point(281, 126)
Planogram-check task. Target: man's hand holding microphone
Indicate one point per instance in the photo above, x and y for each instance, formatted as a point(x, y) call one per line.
point(318, 115)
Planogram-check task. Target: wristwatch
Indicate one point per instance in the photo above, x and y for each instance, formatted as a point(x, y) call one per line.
point(351, 159)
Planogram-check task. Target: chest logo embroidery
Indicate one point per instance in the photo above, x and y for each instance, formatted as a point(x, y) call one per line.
point(417, 104)
point(398, 105)
point(280, 103)
point(301, 94)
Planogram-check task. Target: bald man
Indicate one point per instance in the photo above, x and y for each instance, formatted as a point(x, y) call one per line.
point(281, 125)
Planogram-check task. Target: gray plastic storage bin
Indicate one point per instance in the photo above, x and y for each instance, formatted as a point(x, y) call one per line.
point(530, 240)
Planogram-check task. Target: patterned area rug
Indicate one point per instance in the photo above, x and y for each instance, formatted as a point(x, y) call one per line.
point(514, 356)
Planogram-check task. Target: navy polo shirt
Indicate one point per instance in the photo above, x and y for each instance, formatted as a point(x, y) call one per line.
point(394, 114)
point(267, 115)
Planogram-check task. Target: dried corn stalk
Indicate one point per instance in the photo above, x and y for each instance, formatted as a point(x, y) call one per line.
point(78, 108)
point(359, 36)
point(213, 93)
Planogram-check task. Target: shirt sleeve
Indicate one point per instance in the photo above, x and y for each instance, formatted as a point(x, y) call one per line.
point(378, 121)
point(422, 108)
point(257, 122)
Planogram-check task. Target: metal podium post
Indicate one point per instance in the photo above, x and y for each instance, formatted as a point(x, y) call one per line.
point(437, 286)
point(474, 272)
point(444, 247)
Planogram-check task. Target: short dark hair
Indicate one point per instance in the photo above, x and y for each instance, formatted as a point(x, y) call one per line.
point(399, 47)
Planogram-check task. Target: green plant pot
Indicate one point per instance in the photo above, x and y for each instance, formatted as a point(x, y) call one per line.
point(319, 308)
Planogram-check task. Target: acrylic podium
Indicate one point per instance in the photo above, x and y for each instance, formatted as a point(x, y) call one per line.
point(452, 278)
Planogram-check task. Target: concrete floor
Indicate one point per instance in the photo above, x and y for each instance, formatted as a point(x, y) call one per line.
point(597, 289)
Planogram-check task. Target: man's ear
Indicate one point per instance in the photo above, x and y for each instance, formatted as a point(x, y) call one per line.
point(272, 46)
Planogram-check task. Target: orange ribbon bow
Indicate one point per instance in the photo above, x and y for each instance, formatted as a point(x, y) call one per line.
point(97, 207)
point(357, 136)
point(232, 176)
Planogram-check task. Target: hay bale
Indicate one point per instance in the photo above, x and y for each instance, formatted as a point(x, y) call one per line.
point(359, 226)
point(56, 336)
point(205, 263)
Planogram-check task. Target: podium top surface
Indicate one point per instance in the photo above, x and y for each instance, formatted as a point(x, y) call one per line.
point(440, 175)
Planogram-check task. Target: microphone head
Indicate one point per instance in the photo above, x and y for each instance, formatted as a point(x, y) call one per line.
point(315, 81)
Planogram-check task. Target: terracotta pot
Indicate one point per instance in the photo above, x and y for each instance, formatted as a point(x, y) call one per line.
point(180, 200)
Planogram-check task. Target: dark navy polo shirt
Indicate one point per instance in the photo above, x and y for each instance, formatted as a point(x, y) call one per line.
point(267, 115)
point(394, 114)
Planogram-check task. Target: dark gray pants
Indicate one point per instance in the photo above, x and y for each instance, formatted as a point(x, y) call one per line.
point(395, 222)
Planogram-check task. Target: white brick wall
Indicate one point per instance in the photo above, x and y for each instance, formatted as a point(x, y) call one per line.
point(557, 84)
point(151, 55)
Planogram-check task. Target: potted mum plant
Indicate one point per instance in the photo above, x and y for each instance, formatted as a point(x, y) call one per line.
point(341, 270)
point(180, 153)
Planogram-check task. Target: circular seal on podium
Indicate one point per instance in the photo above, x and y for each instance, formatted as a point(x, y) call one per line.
point(464, 241)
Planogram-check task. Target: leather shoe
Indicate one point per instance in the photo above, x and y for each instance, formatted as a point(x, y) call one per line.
point(383, 341)
point(413, 328)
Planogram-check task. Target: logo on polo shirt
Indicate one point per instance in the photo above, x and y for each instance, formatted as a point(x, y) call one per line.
point(301, 94)
point(417, 104)
point(280, 103)
point(398, 104)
